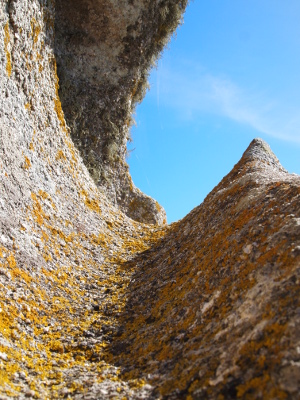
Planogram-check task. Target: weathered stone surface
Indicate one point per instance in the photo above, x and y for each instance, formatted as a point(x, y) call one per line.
point(214, 306)
point(104, 50)
point(96, 305)
point(61, 240)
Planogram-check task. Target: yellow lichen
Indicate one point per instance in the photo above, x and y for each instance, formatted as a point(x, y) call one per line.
point(92, 204)
point(57, 104)
point(60, 155)
point(28, 106)
point(27, 163)
point(35, 30)
point(7, 51)
point(11, 261)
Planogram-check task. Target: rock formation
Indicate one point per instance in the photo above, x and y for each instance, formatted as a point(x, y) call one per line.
point(104, 50)
point(94, 304)
point(216, 301)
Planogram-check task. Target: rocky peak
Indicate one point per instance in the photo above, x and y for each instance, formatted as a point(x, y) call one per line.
point(259, 151)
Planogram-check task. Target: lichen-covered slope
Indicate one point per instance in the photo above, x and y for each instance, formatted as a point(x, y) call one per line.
point(94, 305)
point(61, 240)
point(213, 310)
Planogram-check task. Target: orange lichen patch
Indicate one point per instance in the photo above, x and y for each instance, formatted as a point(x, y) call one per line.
point(38, 213)
point(47, 257)
point(28, 106)
point(56, 346)
point(31, 146)
point(25, 351)
point(57, 104)
point(21, 274)
point(158, 207)
point(27, 163)
point(45, 196)
point(7, 51)
point(141, 244)
point(71, 147)
point(60, 156)
point(35, 30)
point(11, 261)
point(99, 240)
point(92, 204)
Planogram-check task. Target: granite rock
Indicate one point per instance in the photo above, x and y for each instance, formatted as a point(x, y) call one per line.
point(213, 310)
point(104, 51)
point(95, 304)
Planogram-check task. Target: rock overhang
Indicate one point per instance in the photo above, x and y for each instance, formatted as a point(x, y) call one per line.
point(104, 51)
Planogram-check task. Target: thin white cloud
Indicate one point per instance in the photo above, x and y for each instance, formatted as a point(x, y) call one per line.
point(257, 111)
point(191, 90)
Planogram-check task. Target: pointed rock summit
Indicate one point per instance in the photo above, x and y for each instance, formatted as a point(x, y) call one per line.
point(216, 300)
point(260, 151)
point(258, 164)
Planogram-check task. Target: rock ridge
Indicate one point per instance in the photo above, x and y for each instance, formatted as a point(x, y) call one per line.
point(218, 292)
point(95, 304)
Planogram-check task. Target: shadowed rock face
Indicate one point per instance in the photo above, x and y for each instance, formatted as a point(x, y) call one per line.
point(96, 305)
point(104, 50)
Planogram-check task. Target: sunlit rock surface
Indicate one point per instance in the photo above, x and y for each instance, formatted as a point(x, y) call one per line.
point(95, 305)
point(213, 308)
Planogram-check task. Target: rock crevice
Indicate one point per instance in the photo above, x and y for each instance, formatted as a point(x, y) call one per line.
point(94, 303)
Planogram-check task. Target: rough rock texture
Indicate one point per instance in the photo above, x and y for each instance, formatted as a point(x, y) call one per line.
point(104, 50)
point(94, 305)
point(214, 306)
point(61, 241)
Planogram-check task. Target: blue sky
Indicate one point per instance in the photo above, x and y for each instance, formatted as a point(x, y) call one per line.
point(229, 75)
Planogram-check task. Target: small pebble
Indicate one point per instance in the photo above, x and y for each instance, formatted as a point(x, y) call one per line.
point(3, 356)
point(29, 393)
point(22, 374)
point(247, 249)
